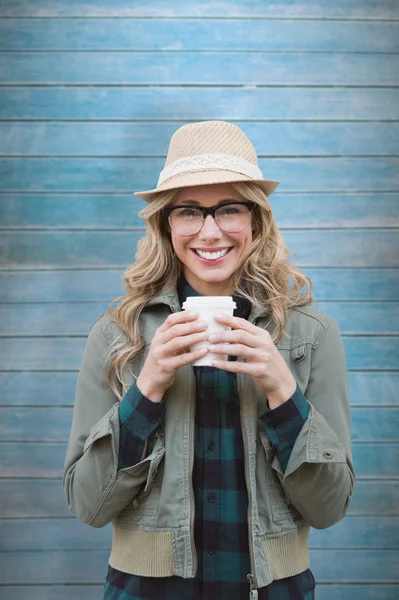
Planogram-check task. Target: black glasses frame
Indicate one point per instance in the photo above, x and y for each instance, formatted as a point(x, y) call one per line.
point(210, 210)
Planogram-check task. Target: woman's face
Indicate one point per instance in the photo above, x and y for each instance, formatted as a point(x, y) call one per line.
point(210, 277)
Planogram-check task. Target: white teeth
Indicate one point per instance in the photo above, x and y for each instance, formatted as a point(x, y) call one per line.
point(212, 255)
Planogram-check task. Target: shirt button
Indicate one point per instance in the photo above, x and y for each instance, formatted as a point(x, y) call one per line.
point(211, 550)
point(272, 425)
point(211, 498)
point(152, 419)
point(209, 393)
point(211, 445)
point(328, 454)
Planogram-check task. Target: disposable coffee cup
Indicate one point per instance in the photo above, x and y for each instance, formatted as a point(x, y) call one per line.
point(208, 307)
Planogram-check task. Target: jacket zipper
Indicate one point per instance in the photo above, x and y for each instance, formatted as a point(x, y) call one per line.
point(253, 594)
point(191, 465)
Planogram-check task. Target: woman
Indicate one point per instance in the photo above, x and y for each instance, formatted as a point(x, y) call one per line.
point(213, 475)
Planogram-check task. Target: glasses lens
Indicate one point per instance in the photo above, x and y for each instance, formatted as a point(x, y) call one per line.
point(229, 217)
point(185, 221)
point(232, 217)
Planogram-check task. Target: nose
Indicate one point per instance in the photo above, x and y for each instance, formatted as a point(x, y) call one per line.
point(210, 229)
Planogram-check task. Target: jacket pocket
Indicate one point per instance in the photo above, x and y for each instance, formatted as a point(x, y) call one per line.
point(278, 501)
point(147, 500)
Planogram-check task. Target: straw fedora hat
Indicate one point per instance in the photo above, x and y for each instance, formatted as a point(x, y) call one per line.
point(209, 152)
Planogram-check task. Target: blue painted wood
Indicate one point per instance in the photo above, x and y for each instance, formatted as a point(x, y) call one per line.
point(88, 249)
point(71, 534)
point(66, 592)
point(154, 103)
point(191, 68)
point(269, 139)
point(89, 566)
point(76, 318)
point(346, 9)
point(108, 211)
point(46, 460)
point(127, 175)
point(49, 354)
point(49, 388)
point(104, 285)
point(94, 592)
point(199, 35)
point(38, 498)
point(48, 424)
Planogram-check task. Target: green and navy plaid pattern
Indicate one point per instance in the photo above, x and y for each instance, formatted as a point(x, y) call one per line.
point(221, 501)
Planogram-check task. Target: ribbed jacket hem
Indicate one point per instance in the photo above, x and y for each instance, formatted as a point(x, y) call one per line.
point(287, 555)
point(144, 553)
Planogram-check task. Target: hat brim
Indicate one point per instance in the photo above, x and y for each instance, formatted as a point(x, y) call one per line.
point(206, 178)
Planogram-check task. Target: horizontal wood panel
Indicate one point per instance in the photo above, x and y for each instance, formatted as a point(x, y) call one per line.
point(197, 35)
point(141, 139)
point(46, 498)
point(58, 389)
point(191, 68)
point(119, 174)
point(103, 286)
point(76, 318)
point(94, 592)
point(108, 211)
point(77, 249)
point(53, 424)
point(60, 354)
point(90, 566)
point(46, 460)
point(249, 103)
point(71, 534)
point(346, 9)
point(121, 139)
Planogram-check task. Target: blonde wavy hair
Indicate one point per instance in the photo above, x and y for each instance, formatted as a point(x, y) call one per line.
point(264, 277)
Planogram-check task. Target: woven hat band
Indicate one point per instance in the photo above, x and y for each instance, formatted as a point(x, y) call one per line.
point(210, 162)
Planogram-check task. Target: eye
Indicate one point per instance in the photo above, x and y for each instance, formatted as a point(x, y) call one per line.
point(186, 212)
point(229, 210)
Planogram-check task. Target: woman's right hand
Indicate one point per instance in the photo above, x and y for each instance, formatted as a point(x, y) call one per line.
point(169, 350)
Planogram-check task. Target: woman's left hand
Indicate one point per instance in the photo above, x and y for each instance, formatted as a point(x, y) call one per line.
point(263, 361)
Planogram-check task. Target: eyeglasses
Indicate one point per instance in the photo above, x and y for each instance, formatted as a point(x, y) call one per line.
point(188, 220)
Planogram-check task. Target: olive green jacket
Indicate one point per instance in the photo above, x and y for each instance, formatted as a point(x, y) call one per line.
point(151, 503)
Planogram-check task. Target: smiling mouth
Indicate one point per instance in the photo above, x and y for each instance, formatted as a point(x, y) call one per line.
point(212, 255)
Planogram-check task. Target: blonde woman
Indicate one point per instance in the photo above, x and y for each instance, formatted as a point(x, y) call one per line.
point(212, 476)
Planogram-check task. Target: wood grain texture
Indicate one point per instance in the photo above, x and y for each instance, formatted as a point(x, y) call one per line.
point(191, 68)
point(339, 284)
point(70, 534)
point(127, 175)
point(145, 139)
point(197, 35)
point(346, 9)
point(48, 424)
point(65, 353)
point(227, 103)
point(99, 249)
point(46, 460)
point(76, 318)
point(374, 389)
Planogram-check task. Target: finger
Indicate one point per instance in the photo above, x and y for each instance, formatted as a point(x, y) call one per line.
point(173, 363)
point(177, 344)
point(236, 336)
point(183, 329)
point(235, 366)
point(238, 350)
point(179, 317)
point(236, 322)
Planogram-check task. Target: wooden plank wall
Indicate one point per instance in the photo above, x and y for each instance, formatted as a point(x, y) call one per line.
point(90, 93)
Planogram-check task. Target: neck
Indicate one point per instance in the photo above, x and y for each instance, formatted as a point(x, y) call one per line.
point(205, 288)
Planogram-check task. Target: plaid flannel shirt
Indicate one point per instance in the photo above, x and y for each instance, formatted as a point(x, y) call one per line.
point(221, 501)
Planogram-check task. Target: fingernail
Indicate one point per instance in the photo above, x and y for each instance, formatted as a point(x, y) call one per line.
point(193, 313)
